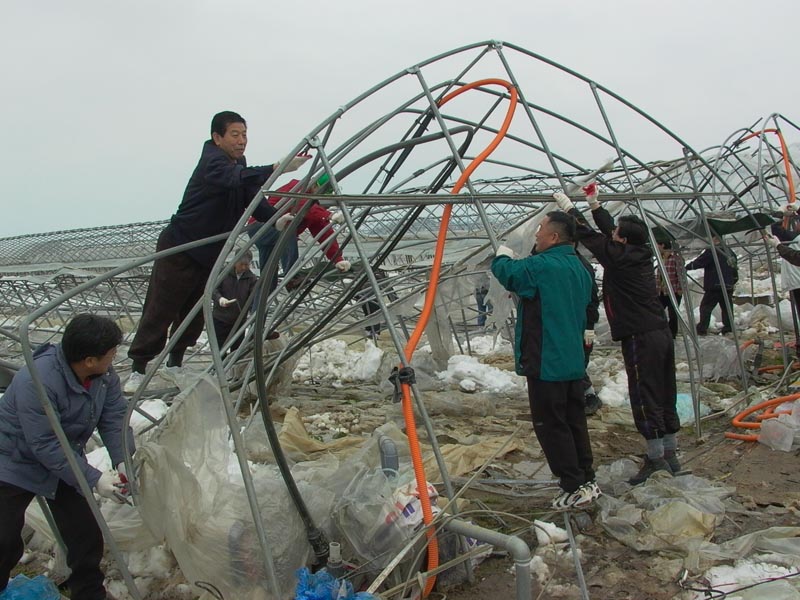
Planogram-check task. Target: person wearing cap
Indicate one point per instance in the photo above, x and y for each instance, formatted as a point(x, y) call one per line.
point(233, 296)
point(219, 190)
point(317, 220)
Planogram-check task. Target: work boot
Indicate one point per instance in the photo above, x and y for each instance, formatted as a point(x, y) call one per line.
point(650, 466)
point(672, 460)
point(591, 404)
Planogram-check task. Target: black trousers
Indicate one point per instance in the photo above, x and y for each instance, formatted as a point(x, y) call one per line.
point(710, 300)
point(672, 312)
point(650, 365)
point(223, 331)
point(176, 284)
point(560, 426)
point(77, 527)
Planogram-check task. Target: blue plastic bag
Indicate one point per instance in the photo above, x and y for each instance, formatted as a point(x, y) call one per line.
point(324, 586)
point(38, 588)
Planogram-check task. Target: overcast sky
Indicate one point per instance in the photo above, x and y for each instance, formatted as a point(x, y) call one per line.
point(106, 104)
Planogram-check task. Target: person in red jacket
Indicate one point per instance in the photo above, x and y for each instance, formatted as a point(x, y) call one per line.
point(316, 220)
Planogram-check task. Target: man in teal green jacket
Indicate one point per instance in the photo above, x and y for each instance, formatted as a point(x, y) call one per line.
point(554, 289)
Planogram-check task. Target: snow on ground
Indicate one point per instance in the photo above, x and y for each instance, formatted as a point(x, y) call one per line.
point(608, 375)
point(726, 579)
point(469, 369)
point(156, 408)
point(489, 345)
point(332, 360)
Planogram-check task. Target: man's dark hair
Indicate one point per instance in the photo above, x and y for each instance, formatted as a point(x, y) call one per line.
point(564, 224)
point(220, 122)
point(633, 229)
point(89, 335)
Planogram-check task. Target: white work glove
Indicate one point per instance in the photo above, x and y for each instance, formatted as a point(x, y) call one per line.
point(337, 217)
point(592, 195)
point(588, 337)
point(343, 265)
point(563, 202)
point(504, 251)
point(790, 210)
point(292, 163)
point(225, 302)
point(773, 241)
point(109, 486)
point(283, 221)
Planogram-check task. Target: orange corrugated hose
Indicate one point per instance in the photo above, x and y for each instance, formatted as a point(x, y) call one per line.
point(769, 413)
point(430, 296)
point(786, 162)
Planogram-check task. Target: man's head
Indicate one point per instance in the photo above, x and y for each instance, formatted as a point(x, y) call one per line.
point(630, 230)
point(243, 264)
point(90, 342)
point(229, 133)
point(556, 228)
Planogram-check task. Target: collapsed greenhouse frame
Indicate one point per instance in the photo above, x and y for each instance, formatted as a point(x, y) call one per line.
point(392, 226)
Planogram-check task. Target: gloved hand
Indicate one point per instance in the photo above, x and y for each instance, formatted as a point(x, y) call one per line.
point(283, 221)
point(588, 337)
point(790, 209)
point(504, 251)
point(123, 478)
point(343, 265)
point(225, 302)
point(773, 240)
point(564, 203)
point(109, 485)
point(592, 194)
point(292, 163)
point(337, 217)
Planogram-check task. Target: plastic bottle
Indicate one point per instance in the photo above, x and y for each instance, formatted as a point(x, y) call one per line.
point(335, 564)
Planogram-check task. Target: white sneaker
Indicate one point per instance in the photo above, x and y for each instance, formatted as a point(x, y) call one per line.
point(580, 498)
point(135, 380)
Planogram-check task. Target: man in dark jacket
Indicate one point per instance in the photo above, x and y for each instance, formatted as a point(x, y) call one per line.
point(637, 320)
point(219, 190)
point(85, 393)
point(716, 290)
point(232, 297)
point(554, 289)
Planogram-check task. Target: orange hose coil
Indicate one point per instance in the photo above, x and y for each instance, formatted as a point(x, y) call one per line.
point(427, 309)
point(769, 413)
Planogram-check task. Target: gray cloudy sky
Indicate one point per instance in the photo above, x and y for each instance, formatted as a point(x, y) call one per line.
point(106, 103)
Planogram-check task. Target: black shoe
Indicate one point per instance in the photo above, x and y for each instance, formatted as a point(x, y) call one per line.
point(650, 466)
point(591, 404)
point(672, 461)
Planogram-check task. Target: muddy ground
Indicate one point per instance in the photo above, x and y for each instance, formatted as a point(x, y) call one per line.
point(767, 484)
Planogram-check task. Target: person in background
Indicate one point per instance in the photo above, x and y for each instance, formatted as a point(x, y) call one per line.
point(716, 289)
point(232, 297)
point(554, 290)
point(786, 242)
point(674, 266)
point(317, 220)
point(637, 320)
point(219, 190)
point(85, 393)
point(481, 290)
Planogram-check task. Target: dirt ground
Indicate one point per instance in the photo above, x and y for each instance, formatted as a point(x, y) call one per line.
point(767, 484)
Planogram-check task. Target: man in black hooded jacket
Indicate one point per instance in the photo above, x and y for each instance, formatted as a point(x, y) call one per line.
point(637, 320)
